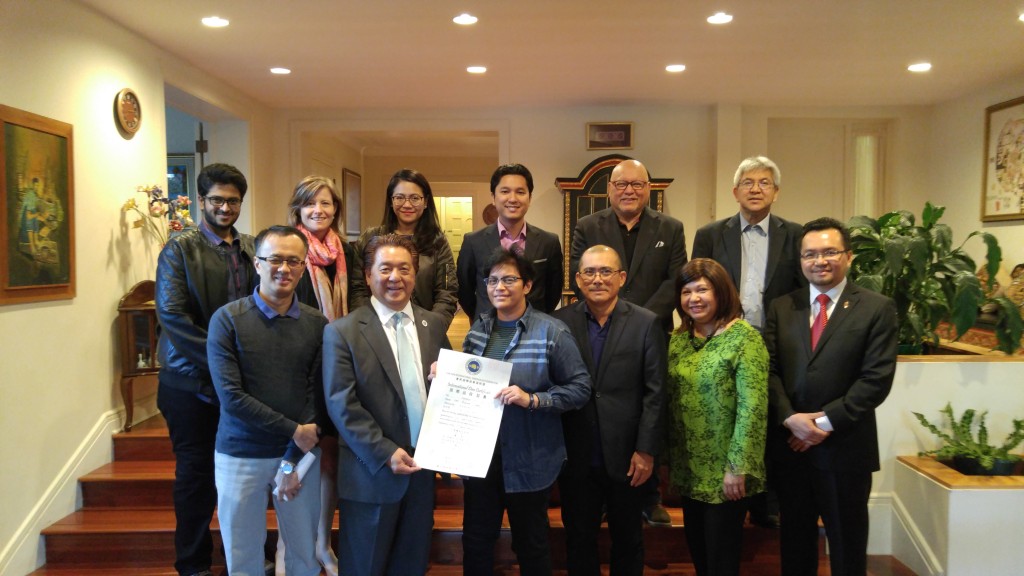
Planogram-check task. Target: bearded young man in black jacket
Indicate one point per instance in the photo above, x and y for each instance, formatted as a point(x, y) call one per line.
point(198, 271)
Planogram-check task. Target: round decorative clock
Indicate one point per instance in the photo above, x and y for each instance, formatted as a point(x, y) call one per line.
point(129, 111)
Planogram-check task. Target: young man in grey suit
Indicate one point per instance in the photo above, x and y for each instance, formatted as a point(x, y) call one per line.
point(511, 190)
point(652, 248)
point(833, 356)
point(376, 361)
point(612, 441)
point(761, 253)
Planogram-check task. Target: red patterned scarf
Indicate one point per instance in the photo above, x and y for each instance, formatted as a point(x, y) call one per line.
point(331, 294)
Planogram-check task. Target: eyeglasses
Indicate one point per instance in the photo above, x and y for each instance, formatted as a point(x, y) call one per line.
point(399, 200)
point(277, 261)
point(764, 184)
point(589, 274)
point(825, 255)
point(218, 201)
point(492, 281)
point(637, 185)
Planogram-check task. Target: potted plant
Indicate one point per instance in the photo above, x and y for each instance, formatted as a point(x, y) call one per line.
point(973, 455)
point(931, 281)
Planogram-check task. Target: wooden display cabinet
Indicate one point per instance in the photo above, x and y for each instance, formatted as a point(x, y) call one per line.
point(136, 318)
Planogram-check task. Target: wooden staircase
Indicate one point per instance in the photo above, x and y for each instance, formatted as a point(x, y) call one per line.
point(126, 525)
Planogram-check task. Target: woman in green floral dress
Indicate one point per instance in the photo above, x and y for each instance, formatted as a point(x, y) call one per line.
point(718, 383)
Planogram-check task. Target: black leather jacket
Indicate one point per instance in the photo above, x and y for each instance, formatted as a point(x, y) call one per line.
point(191, 284)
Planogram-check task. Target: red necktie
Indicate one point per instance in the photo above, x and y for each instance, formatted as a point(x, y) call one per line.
point(820, 321)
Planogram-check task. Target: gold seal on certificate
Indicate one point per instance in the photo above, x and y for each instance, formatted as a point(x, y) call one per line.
point(462, 417)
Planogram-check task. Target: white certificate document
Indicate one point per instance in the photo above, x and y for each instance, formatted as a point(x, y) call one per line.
point(462, 417)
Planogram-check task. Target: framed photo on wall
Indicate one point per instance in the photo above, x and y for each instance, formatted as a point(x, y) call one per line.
point(37, 208)
point(1003, 180)
point(609, 135)
point(351, 192)
point(181, 179)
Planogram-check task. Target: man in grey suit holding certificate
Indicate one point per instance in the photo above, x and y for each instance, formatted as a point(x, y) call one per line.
point(376, 360)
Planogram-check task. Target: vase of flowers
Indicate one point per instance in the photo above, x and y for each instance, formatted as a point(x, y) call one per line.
point(159, 217)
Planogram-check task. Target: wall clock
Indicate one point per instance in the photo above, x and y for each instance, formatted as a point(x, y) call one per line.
point(129, 111)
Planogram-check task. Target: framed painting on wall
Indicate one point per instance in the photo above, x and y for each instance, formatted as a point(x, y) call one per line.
point(181, 179)
point(609, 135)
point(351, 192)
point(1003, 179)
point(37, 208)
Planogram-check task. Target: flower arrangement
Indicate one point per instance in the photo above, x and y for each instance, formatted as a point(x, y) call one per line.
point(158, 216)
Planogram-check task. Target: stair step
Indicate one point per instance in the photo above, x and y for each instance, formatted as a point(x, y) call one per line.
point(150, 484)
point(148, 440)
point(145, 537)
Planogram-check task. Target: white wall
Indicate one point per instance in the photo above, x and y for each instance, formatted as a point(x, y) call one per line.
point(59, 398)
point(954, 178)
point(671, 140)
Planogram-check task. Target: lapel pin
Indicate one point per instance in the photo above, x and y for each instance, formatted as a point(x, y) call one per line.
point(846, 304)
point(424, 322)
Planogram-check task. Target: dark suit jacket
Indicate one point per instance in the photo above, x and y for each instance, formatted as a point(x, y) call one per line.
point(365, 400)
point(848, 375)
point(628, 397)
point(659, 255)
point(542, 249)
point(720, 241)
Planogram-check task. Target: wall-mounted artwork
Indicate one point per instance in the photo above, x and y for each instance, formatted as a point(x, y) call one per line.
point(609, 135)
point(1003, 195)
point(37, 218)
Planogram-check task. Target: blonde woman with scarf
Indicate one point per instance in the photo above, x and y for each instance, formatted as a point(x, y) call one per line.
point(335, 284)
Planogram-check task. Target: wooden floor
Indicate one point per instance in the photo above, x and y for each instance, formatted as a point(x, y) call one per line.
point(126, 523)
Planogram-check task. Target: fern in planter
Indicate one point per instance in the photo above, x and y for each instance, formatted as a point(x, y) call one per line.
point(962, 443)
point(931, 281)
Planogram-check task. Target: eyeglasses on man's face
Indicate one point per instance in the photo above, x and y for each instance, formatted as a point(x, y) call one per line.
point(749, 184)
point(637, 185)
point(824, 255)
point(492, 281)
point(218, 201)
point(400, 199)
point(589, 274)
point(277, 261)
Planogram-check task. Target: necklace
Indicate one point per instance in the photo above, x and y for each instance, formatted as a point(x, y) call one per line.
point(697, 346)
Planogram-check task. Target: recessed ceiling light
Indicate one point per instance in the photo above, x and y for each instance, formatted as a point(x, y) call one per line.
point(920, 67)
point(1021, 18)
point(465, 19)
point(476, 69)
point(280, 71)
point(675, 67)
point(215, 22)
point(720, 18)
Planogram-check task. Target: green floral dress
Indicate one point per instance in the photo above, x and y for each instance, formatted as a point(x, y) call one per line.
point(718, 411)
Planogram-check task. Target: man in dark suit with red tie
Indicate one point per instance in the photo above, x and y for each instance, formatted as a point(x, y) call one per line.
point(833, 356)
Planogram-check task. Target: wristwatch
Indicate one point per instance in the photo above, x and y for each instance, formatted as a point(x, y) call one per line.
point(287, 467)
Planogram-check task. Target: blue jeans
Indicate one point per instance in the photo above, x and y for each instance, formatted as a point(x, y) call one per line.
point(243, 487)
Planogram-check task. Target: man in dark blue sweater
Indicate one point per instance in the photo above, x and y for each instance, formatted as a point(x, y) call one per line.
point(265, 360)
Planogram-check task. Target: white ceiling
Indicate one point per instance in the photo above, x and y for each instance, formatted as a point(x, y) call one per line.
point(366, 54)
point(409, 54)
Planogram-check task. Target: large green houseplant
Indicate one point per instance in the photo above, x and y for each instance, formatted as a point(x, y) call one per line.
point(973, 454)
point(931, 281)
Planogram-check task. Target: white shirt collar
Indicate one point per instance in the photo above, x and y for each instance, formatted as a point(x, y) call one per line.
point(385, 313)
point(833, 294)
point(763, 224)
